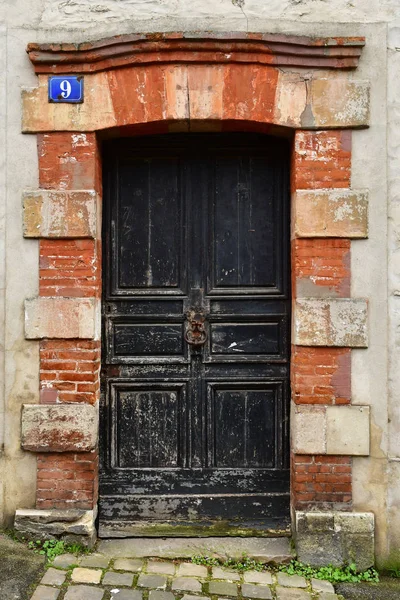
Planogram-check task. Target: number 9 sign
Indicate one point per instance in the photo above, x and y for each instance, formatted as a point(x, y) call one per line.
point(66, 89)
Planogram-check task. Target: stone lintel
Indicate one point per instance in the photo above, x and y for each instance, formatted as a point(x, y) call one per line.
point(60, 214)
point(331, 430)
point(59, 427)
point(331, 322)
point(60, 318)
point(198, 94)
point(334, 537)
point(70, 525)
point(330, 213)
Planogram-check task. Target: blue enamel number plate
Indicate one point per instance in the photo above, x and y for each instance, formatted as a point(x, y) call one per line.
point(66, 89)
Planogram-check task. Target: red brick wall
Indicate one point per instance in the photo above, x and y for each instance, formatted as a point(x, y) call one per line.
point(67, 480)
point(321, 159)
point(69, 369)
point(321, 482)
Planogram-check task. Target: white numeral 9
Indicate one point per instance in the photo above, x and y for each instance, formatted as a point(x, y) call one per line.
point(65, 88)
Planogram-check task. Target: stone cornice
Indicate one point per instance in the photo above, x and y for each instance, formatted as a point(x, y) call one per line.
point(234, 47)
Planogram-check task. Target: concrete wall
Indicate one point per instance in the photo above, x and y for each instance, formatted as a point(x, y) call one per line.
point(376, 378)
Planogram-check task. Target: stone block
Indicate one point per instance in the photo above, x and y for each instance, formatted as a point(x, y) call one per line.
point(320, 585)
point(161, 566)
point(81, 575)
point(330, 213)
point(219, 573)
point(43, 592)
point(258, 577)
point(72, 525)
point(117, 579)
point(186, 584)
point(337, 102)
point(347, 430)
point(60, 318)
point(53, 577)
point(94, 560)
point(350, 540)
point(284, 593)
point(84, 592)
point(59, 427)
point(128, 564)
point(332, 322)
point(59, 214)
point(222, 588)
point(309, 430)
point(261, 592)
point(152, 581)
point(191, 570)
point(291, 580)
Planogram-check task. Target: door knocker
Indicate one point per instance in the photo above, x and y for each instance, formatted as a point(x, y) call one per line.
point(195, 332)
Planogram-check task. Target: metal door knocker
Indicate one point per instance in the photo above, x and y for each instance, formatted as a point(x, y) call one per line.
point(195, 332)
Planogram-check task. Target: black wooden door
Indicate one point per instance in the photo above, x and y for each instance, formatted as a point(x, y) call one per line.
point(196, 321)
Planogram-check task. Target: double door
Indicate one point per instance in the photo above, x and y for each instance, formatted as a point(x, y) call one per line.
point(196, 326)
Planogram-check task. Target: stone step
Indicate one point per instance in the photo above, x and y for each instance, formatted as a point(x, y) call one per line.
point(261, 549)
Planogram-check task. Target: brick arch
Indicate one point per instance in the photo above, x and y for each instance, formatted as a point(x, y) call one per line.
point(169, 83)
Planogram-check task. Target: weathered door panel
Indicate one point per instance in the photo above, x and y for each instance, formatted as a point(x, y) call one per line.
point(196, 313)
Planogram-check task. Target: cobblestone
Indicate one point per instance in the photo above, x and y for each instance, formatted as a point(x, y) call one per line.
point(250, 590)
point(65, 560)
point(163, 567)
point(257, 577)
point(159, 583)
point(128, 564)
point(319, 585)
point(186, 584)
point(95, 560)
point(286, 593)
point(223, 588)
point(81, 575)
point(45, 593)
point(152, 581)
point(54, 577)
point(291, 580)
point(111, 578)
point(84, 592)
point(191, 570)
point(219, 573)
point(117, 594)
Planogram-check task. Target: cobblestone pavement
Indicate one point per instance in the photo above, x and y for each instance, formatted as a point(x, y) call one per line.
point(99, 577)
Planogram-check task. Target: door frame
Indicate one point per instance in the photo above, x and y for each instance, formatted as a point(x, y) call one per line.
point(183, 83)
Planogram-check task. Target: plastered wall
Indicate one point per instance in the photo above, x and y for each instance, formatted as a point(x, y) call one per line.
point(376, 166)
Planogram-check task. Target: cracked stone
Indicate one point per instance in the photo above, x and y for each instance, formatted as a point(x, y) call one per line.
point(256, 591)
point(223, 588)
point(191, 570)
point(111, 578)
point(186, 584)
point(291, 580)
point(54, 577)
point(152, 581)
point(80, 575)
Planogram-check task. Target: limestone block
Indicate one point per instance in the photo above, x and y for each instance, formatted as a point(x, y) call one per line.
point(334, 537)
point(71, 525)
point(59, 427)
point(330, 213)
point(347, 430)
point(309, 430)
point(54, 214)
point(331, 322)
point(338, 102)
point(60, 318)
